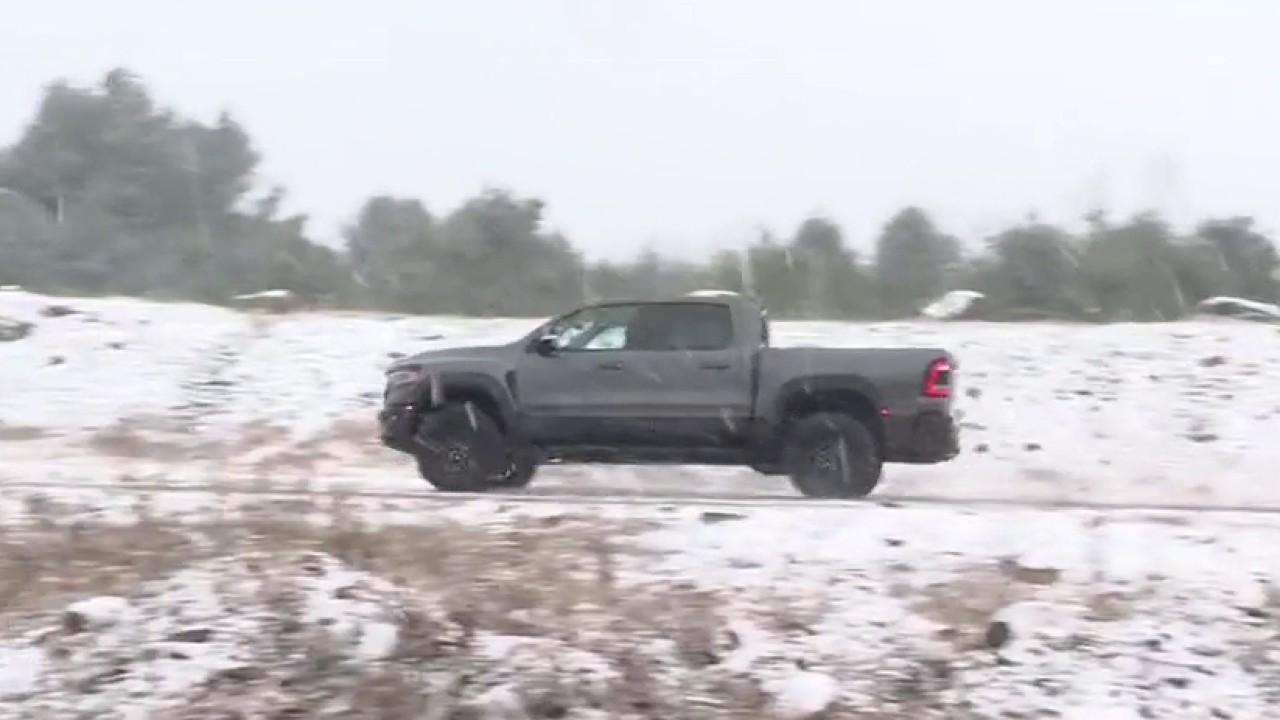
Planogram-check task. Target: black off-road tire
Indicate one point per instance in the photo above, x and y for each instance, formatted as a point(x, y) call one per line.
point(832, 455)
point(460, 448)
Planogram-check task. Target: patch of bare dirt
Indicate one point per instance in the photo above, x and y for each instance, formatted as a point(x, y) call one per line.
point(21, 433)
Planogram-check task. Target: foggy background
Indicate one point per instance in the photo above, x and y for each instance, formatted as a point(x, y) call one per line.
point(686, 126)
point(1103, 161)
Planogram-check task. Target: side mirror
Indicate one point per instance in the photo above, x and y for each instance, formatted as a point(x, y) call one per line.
point(546, 346)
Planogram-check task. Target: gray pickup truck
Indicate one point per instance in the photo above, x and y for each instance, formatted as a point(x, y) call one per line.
point(683, 380)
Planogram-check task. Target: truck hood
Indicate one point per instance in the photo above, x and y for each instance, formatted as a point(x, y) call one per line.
point(450, 356)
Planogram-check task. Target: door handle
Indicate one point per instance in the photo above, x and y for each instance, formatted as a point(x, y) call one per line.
point(715, 366)
point(616, 365)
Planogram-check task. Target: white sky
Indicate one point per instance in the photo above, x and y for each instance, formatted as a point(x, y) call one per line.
point(685, 125)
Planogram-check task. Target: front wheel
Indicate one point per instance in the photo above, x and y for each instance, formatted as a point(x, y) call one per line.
point(832, 455)
point(521, 467)
point(460, 448)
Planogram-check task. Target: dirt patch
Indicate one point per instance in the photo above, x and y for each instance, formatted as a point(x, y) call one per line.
point(353, 438)
point(1109, 606)
point(1017, 572)
point(21, 433)
point(967, 605)
point(148, 437)
point(550, 580)
point(517, 578)
point(42, 569)
point(172, 439)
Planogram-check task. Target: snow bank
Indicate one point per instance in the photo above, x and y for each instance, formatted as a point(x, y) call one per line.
point(1239, 307)
point(953, 305)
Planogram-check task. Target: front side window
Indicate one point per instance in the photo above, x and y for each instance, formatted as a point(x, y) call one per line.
point(688, 327)
point(594, 328)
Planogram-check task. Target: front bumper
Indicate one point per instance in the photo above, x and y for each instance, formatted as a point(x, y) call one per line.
point(925, 438)
point(398, 423)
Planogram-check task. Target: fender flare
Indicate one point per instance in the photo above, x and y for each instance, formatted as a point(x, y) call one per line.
point(437, 385)
point(817, 384)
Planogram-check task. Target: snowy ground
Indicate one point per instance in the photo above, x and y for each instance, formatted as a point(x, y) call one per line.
point(194, 516)
point(618, 611)
point(178, 393)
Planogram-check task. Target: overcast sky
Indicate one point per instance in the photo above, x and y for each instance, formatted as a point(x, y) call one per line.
point(685, 125)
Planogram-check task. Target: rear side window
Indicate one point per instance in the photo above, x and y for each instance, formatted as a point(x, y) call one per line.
point(681, 327)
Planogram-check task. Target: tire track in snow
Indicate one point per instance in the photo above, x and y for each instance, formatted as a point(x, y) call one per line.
point(887, 501)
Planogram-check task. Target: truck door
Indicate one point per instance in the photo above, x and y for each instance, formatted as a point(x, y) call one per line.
point(565, 396)
point(684, 381)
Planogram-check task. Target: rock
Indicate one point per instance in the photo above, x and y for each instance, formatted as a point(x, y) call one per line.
point(1032, 447)
point(194, 635)
point(981, 448)
point(1202, 437)
point(804, 694)
point(57, 311)
point(116, 345)
point(998, 634)
point(56, 360)
point(713, 516)
point(973, 392)
point(1213, 361)
point(96, 613)
point(14, 330)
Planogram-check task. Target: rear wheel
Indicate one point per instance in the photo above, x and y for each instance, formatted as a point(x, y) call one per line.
point(832, 455)
point(460, 448)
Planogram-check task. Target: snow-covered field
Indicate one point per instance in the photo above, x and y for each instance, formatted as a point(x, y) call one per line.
point(613, 611)
point(146, 571)
point(178, 393)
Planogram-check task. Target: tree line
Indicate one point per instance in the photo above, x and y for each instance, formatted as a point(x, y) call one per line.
point(108, 192)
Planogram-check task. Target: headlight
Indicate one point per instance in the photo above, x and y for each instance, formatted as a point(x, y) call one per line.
point(404, 376)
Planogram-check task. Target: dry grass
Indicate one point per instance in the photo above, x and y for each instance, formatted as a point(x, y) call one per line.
point(170, 439)
point(43, 568)
point(551, 578)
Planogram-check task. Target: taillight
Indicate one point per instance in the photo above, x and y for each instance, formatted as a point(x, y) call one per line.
point(937, 380)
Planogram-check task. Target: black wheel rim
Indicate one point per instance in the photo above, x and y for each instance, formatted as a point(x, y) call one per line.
point(827, 460)
point(458, 458)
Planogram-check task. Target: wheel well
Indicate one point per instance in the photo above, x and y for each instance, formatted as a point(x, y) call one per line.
point(481, 399)
point(850, 402)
